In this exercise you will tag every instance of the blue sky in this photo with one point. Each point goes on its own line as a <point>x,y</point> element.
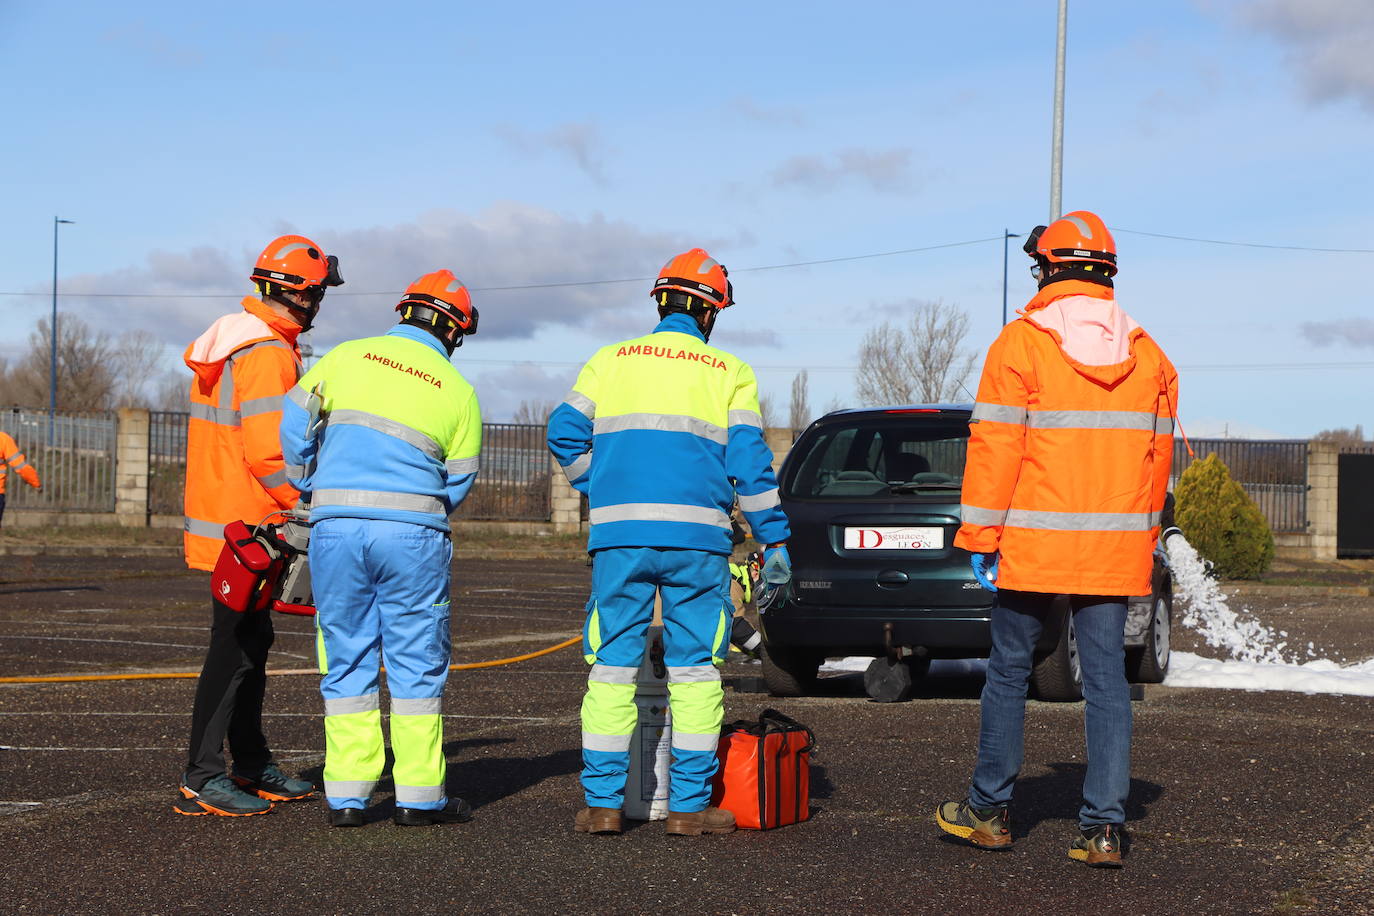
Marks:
<point>539,143</point>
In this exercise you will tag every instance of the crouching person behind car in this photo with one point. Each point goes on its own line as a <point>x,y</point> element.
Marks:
<point>1068,461</point>
<point>396,455</point>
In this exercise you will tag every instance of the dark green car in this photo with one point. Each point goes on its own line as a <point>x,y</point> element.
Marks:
<point>873,497</point>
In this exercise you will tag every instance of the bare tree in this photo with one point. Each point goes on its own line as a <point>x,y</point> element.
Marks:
<point>921,361</point>
<point>135,358</point>
<point>84,377</point>
<point>1342,436</point>
<point>800,413</point>
<point>534,412</point>
<point>767,412</point>
<point>172,392</point>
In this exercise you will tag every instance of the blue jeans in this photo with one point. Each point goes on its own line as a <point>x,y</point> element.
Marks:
<point>1099,624</point>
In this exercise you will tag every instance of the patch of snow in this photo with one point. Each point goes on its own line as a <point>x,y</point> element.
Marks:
<point>1320,676</point>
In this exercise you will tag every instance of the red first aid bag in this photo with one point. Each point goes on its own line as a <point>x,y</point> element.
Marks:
<point>764,777</point>
<point>246,571</point>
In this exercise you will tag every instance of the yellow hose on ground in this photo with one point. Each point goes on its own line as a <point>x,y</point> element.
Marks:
<point>279,672</point>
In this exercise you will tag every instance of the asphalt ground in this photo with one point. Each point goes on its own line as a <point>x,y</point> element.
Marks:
<point>1241,802</point>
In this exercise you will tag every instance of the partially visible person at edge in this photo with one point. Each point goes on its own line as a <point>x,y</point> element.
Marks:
<point>243,365</point>
<point>11,459</point>
<point>395,453</point>
<point>1067,472</point>
<point>661,433</point>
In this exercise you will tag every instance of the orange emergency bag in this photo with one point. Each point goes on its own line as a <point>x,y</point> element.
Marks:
<point>246,573</point>
<point>764,777</point>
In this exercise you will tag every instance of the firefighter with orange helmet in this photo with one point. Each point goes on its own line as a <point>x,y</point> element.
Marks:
<point>1067,472</point>
<point>243,365</point>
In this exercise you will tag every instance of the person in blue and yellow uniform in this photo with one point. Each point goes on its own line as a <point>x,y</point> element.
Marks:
<point>383,436</point>
<point>662,432</point>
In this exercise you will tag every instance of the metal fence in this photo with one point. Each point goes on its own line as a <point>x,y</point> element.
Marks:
<point>1272,471</point>
<point>513,484</point>
<point>166,461</point>
<point>74,454</point>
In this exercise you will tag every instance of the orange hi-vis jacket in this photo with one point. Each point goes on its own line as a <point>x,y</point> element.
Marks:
<point>1071,446</point>
<point>244,365</point>
<point>11,459</point>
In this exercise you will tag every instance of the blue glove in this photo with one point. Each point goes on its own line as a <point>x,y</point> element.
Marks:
<point>985,569</point>
<point>777,565</point>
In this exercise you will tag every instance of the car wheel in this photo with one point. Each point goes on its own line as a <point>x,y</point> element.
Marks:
<point>1149,664</point>
<point>887,681</point>
<point>1058,675</point>
<point>789,672</point>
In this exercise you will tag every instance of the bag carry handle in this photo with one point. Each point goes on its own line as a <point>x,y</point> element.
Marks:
<point>781,722</point>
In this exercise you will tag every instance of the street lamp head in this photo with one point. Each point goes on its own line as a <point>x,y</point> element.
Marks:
<point>63,220</point>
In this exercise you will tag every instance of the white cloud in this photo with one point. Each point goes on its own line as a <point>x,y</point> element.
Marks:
<point>507,245</point>
<point>500,390</point>
<point>1329,42</point>
<point>749,110</point>
<point>883,170</point>
<point>579,140</point>
<point>1357,332</point>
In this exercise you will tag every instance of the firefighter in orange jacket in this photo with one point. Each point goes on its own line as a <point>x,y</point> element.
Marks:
<point>11,459</point>
<point>244,364</point>
<point>1067,471</point>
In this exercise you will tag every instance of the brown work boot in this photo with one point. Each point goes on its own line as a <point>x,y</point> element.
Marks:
<point>598,820</point>
<point>695,823</point>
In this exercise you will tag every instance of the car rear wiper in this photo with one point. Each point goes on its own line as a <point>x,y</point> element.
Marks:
<point>914,487</point>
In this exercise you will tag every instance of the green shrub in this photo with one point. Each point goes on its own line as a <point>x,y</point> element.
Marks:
<point>1221,521</point>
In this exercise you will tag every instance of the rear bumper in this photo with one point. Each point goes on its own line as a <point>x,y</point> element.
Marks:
<point>943,632</point>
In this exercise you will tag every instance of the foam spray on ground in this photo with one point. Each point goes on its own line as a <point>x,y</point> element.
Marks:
<point>1239,635</point>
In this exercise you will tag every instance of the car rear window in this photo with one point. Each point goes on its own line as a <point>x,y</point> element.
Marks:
<point>906,455</point>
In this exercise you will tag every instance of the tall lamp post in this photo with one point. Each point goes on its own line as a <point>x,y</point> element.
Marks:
<point>1005,235</point>
<point>52,331</point>
<point>1057,143</point>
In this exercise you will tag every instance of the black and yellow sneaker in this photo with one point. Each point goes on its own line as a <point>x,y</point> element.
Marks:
<point>986,828</point>
<point>1099,846</point>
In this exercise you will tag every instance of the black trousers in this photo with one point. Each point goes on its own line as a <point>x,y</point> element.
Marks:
<point>229,696</point>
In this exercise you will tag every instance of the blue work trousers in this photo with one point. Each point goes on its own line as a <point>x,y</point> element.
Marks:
<point>1099,625</point>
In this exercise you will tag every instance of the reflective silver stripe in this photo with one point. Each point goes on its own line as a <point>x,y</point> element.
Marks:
<point>21,465</point>
<point>255,406</point>
<point>660,422</point>
<point>298,396</point>
<point>976,515</point>
<point>203,529</point>
<point>349,788</point>
<point>612,674</point>
<point>1082,521</point>
<point>1091,419</point>
<point>413,795</point>
<point>388,427</point>
<point>224,416</point>
<point>611,743</point>
<point>342,706</point>
<point>998,413</point>
<point>656,512</point>
<point>1164,426</point>
<point>275,479</point>
<point>419,706</point>
<point>686,741</point>
<point>378,499</point>
<point>692,674</point>
<point>295,471</point>
<point>759,501</point>
<point>578,467</point>
<point>581,403</point>
<point>745,418</point>
<point>463,465</point>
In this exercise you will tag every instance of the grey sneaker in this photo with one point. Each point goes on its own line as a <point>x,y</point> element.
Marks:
<point>1099,846</point>
<point>986,828</point>
<point>219,795</point>
<point>274,785</point>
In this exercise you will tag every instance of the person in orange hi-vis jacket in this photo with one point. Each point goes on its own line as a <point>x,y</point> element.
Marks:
<point>1068,468</point>
<point>243,366</point>
<point>11,459</point>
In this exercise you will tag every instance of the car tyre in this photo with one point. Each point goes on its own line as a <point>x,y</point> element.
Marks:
<point>888,681</point>
<point>1149,664</point>
<point>789,672</point>
<point>1057,676</point>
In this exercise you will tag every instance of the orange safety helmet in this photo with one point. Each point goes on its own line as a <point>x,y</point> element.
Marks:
<point>697,274</point>
<point>1075,238</point>
<point>295,262</point>
<point>440,295</point>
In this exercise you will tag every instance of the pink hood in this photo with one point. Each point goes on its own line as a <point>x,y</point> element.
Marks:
<point>207,353</point>
<point>1094,333</point>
